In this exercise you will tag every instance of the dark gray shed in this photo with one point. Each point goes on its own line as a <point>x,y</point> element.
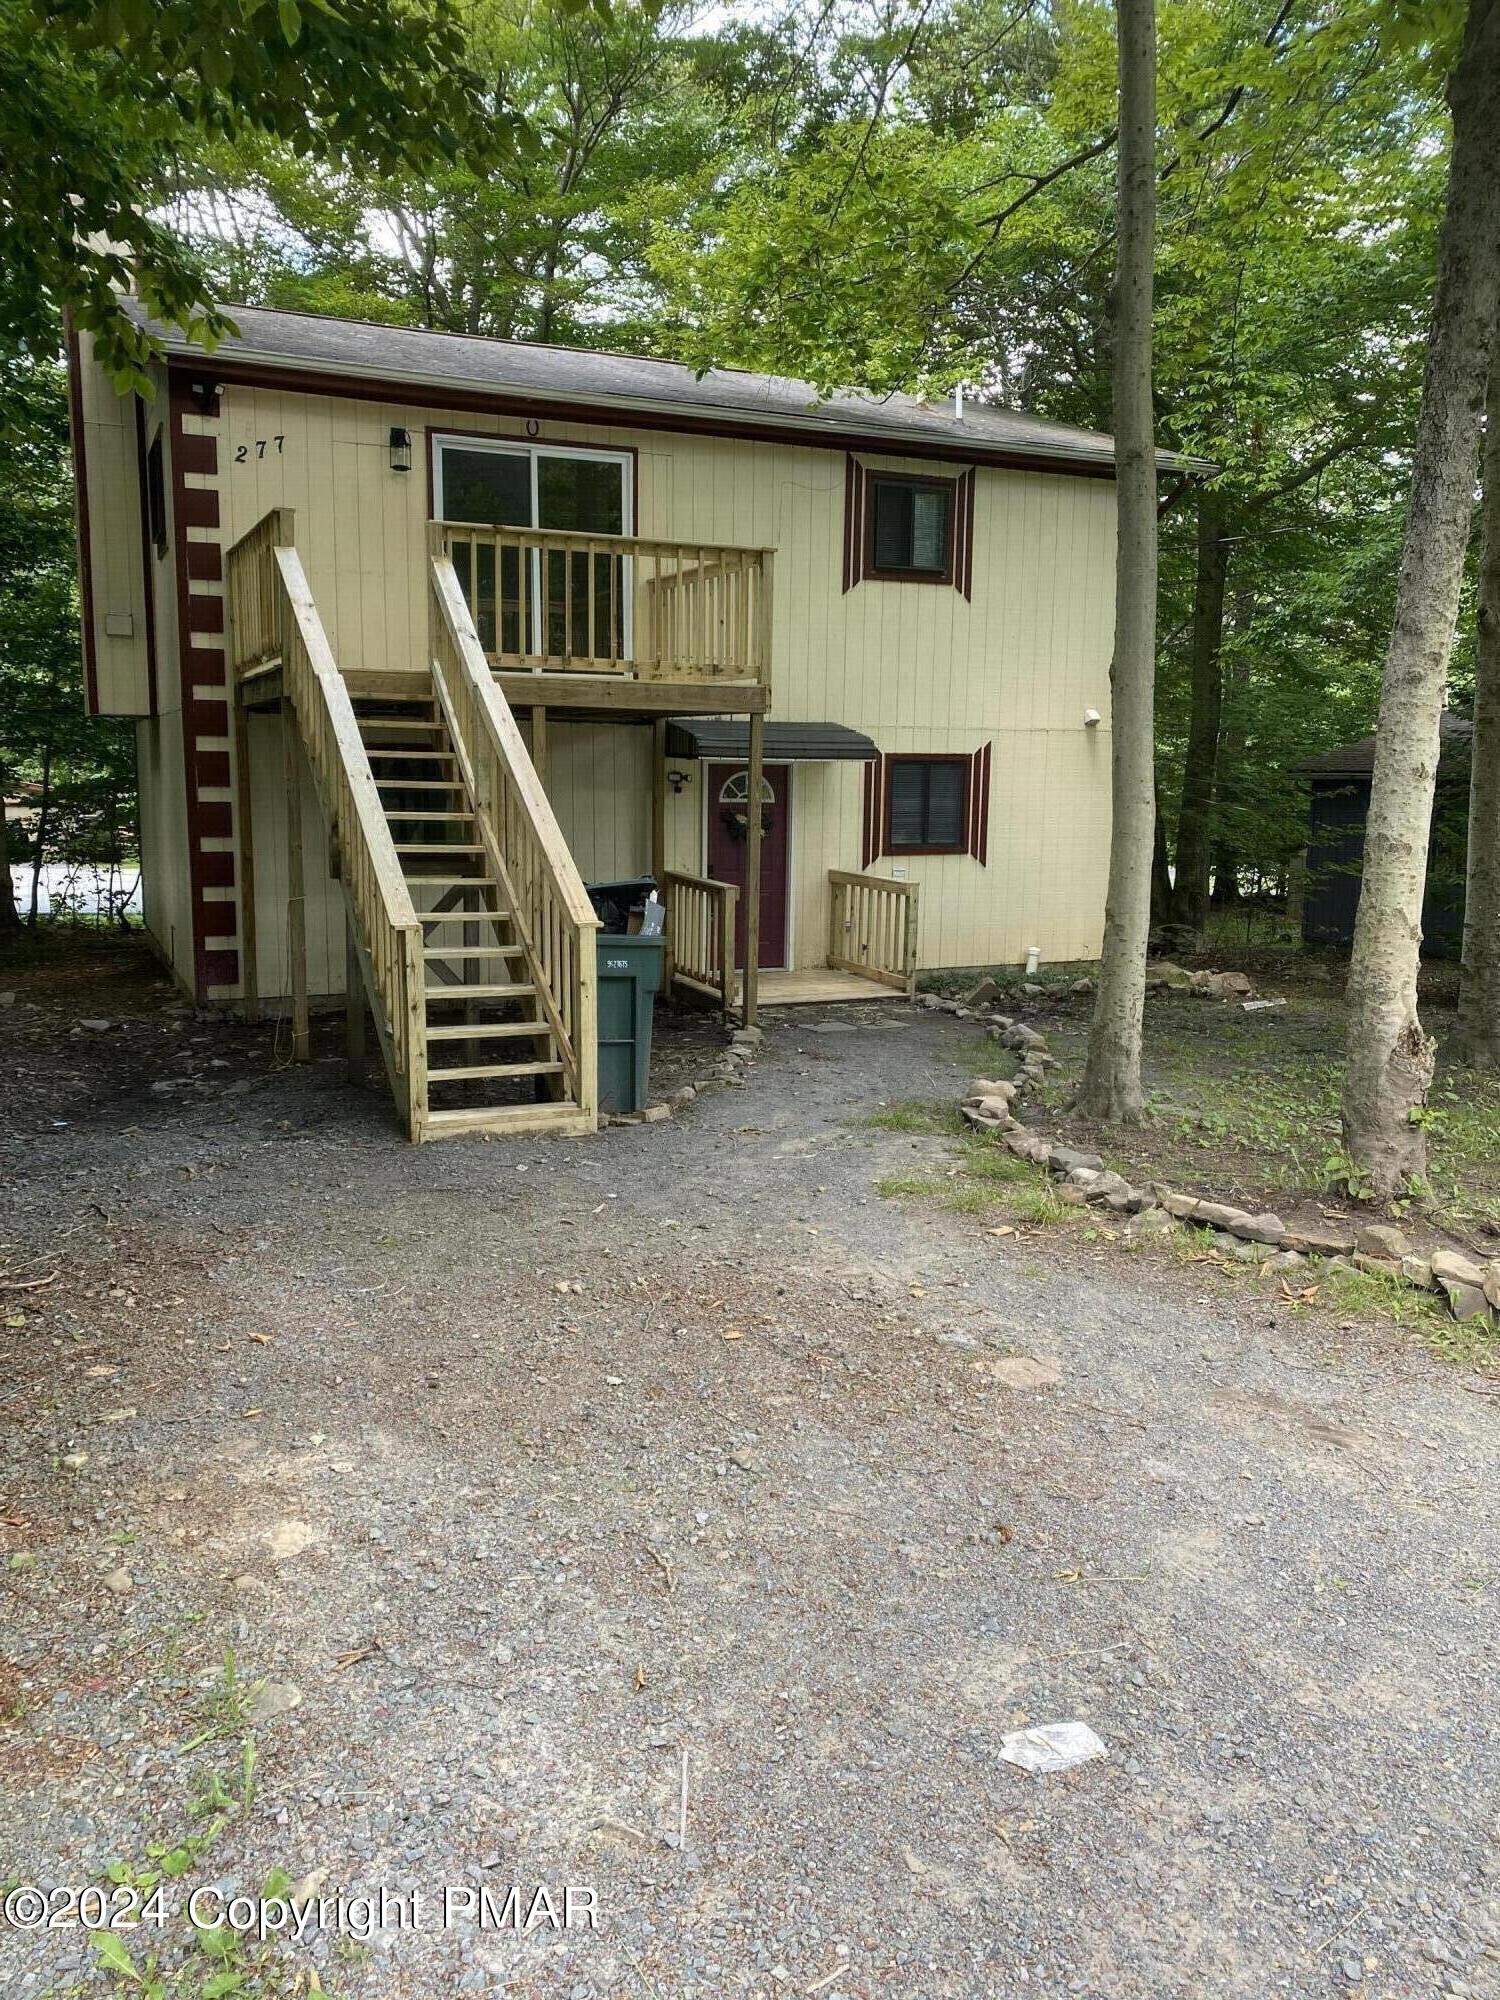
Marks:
<point>1339,786</point>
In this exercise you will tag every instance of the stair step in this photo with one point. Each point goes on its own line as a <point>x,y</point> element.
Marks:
<point>427,816</point>
<point>464,991</point>
<point>436,847</point>
<point>490,1031</point>
<point>502,1118</point>
<point>411,756</point>
<point>473,1073</point>
<point>418,785</point>
<point>423,726</point>
<point>474,951</point>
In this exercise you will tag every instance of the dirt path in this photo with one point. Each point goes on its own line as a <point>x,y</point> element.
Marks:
<point>755,1487</point>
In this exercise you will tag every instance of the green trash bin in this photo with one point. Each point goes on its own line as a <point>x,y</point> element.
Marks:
<point>629,981</point>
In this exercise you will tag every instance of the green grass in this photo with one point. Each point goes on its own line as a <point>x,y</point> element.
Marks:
<point>985,1179</point>
<point>911,1114</point>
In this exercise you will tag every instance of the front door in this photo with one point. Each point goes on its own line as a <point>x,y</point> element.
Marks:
<point>728,825</point>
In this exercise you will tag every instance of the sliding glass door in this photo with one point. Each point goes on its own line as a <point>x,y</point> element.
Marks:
<point>556,603</point>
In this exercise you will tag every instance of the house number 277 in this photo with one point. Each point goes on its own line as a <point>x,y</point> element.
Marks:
<point>259,446</point>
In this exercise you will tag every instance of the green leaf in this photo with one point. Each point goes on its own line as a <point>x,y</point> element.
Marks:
<point>291,19</point>
<point>110,1950</point>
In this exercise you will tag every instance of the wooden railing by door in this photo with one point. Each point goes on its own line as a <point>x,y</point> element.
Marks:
<point>873,928</point>
<point>543,600</point>
<point>700,935</point>
<point>272,617</point>
<point>553,918</point>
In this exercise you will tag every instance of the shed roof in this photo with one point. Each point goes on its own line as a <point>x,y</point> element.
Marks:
<point>728,398</point>
<point>1357,760</point>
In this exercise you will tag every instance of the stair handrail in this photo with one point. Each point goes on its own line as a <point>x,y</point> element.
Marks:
<point>554,920</point>
<point>385,920</point>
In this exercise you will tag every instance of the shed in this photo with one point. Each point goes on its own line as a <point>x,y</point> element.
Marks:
<point>1338,804</point>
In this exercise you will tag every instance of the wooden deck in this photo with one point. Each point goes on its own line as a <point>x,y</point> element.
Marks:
<point>815,988</point>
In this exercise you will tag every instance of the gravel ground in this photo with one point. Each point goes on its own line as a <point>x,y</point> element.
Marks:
<point>682,1440</point>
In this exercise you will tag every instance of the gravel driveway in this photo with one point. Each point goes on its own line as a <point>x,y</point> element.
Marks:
<point>530,1476</point>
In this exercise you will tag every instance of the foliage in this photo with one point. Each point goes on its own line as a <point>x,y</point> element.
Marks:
<point>102,106</point>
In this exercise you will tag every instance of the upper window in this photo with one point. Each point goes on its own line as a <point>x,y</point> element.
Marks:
<point>910,528</point>
<point>927,805</point>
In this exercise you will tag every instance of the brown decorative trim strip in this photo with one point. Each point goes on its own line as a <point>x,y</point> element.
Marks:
<point>963,501</point>
<point>201,665</point>
<point>148,582</point>
<point>81,516</point>
<point>385,389</point>
<point>979,806</point>
<point>205,562</point>
<point>853,506</point>
<point>875,808</point>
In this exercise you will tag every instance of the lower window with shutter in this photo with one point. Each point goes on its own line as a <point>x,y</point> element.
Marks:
<point>927,805</point>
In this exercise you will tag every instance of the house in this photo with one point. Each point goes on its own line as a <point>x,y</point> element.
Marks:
<point>1338,805</point>
<point>495,618</point>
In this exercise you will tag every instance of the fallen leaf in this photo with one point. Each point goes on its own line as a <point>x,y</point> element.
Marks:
<point>260,1339</point>
<point>343,1661</point>
<point>734,1333</point>
<point>640,1680</point>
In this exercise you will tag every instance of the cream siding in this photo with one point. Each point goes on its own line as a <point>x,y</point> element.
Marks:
<point>915,666</point>
<point>109,505</point>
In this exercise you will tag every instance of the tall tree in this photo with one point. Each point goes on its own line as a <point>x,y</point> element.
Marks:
<point>1112,1076</point>
<point>1390,1057</point>
<point>1479,991</point>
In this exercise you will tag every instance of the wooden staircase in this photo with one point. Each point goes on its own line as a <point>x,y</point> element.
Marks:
<point>469,926</point>
<point>491,1052</point>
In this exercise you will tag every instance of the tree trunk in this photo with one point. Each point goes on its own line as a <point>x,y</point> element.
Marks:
<point>1390,1055</point>
<point>1112,1078</point>
<point>42,835</point>
<point>10,916</point>
<point>1479,992</point>
<point>1200,767</point>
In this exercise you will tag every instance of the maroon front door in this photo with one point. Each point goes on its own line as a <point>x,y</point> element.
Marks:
<point>728,825</point>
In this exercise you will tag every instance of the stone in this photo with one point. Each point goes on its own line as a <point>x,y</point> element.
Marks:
<point>746,1461</point>
<point>1417,1271</point>
<point>1081,988</point>
<point>1029,1146</point>
<point>75,1461</point>
<point>1233,1246</point>
<point>1319,1239</point>
<point>1180,1206</point>
<point>1220,985</point>
<point>1021,1371</point>
<point>754,1036</point>
<point>97,1027</point>
<point>272,1698</point>
<point>119,1581</point>
<point>1176,978</point>
<point>982,994</point>
<point>1466,1301</point>
<point>1153,1221</point>
<point>684,1093</point>
<point>1492,1284</point>
<point>987,1086</point>
<point>654,1113</point>
<point>1284,1260</point>
<point>1382,1239</point>
<point>1063,1159</point>
<point>1019,1036</point>
<point>1453,1267</point>
<point>1237,1222</point>
<point>992,1113</point>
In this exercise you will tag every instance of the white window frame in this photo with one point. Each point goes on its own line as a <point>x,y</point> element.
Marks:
<point>523,448</point>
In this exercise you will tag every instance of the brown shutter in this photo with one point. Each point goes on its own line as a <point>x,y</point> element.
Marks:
<point>874,821</point>
<point>979,804</point>
<point>963,531</point>
<point>854,521</point>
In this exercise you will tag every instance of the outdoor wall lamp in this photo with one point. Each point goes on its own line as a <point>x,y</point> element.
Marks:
<point>679,781</point>
<point>400,449</point>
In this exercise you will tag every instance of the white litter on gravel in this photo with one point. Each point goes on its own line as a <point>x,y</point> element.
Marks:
<point>1052,1746</point>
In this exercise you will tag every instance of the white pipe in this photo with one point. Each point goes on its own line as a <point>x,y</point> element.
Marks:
<point>1033,960</point>
<point>958,403</point>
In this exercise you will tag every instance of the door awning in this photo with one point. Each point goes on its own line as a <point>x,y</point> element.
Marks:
<point>786,742</point>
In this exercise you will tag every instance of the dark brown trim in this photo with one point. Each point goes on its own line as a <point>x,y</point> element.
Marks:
<point>432,432</point>
<point>964,504</point>
<point>958,757</point>
<point>148,549</point>
<point>382,389</point>
<point>853,496</point>
<point>869,572</point>
<point>979,806</point>
<point>200,619</point>
<point>870,834</point>
<point>81,516</point>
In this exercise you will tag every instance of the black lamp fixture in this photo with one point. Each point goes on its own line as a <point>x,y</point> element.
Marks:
<point>400,449</point>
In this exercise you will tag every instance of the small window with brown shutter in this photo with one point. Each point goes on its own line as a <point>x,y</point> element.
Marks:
<point>927,805</point>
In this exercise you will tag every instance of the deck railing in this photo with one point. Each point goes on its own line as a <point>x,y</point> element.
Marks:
<point>546,601</point>
<point>553,918</point>
<point>273,617</point>
<point>700,935</point>
<point>873,928</point>
<point>253,591</point>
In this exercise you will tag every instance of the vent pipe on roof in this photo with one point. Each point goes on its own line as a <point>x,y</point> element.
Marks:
<point>958,403</point>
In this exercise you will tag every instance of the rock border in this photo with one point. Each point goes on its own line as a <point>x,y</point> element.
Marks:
<point>1469,1286</point>
<point>741,1050</point>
